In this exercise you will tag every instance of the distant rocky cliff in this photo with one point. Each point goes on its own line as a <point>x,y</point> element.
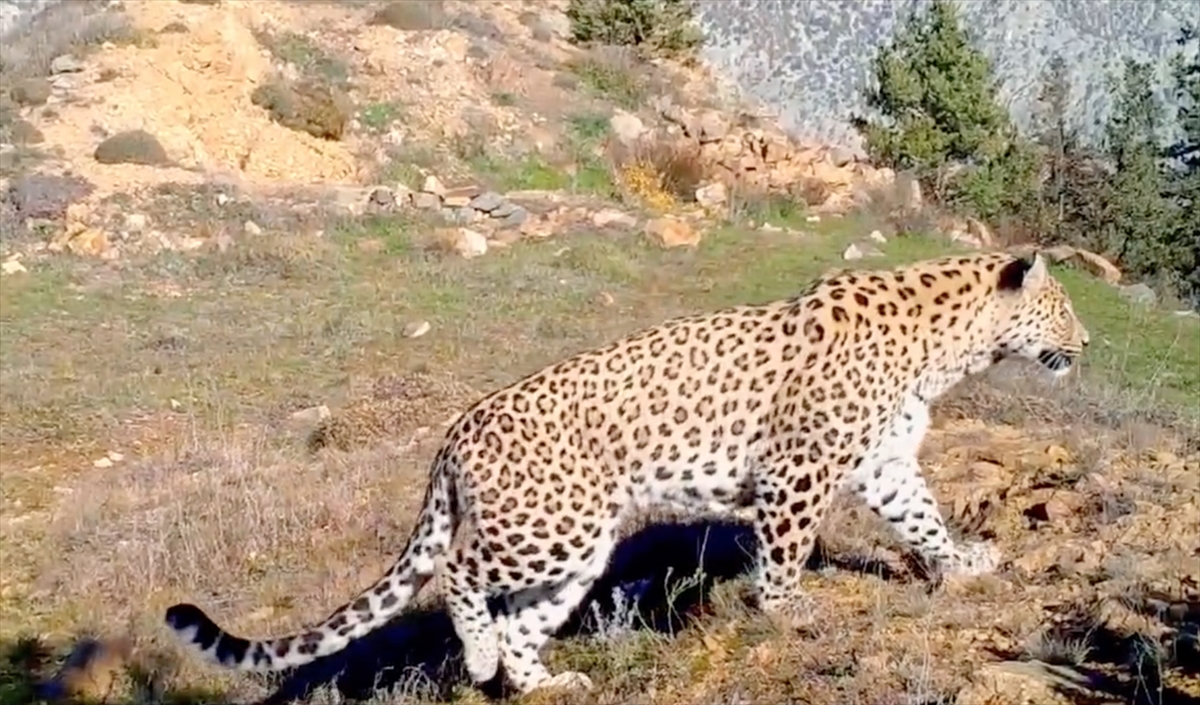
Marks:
<point>808,59</point>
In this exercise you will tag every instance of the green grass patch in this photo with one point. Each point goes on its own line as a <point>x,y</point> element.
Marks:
<point>279,321</point>
<point>616,81</point>
<point>1153,353</point>
<point>309,57</point>
<point>530,172</point>
<point>378,116</point>
<point>504,98</point>
<point>588,129</point>
<point>534,173</point>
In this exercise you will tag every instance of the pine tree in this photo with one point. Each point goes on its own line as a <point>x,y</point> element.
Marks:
<point>936,100</point>
<point>1059,139</point>
<point>1140,227</point>
<point>1185,178</point>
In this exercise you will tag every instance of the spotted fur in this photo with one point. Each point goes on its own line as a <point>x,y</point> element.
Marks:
<point>768,408</point>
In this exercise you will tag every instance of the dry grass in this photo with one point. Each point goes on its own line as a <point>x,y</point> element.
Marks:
<point>616,74</point>
<point>312,105</point>
<point>659,174</point>
<point>66,28</point>
<point>210,518</point>
<point>217,498</point>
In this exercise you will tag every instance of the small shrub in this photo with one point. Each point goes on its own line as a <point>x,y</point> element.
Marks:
<point>377,116</point>
<point>504,99</point>
<point>613,73</point>
<point>24,132</point>
<point>660,174</point>
<point>411,15</point>
<point>588,128</point>
<point>811,191</point>
<point>31,91</point>
<point>132,147</point>
<point>307,105</point>
<point>765,207</point>
<point>309,58</point>
<point>74,28</point>
<point>660,26</point>
<point>47,195</point>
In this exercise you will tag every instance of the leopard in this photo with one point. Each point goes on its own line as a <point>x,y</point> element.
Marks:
<point>759,409</point>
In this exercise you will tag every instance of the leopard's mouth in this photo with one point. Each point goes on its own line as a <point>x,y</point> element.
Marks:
<point>1057,361</point>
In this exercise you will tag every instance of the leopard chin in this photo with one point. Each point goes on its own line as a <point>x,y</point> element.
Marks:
<point>1057,361</point>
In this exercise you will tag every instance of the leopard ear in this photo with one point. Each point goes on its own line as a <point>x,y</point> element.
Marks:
<point>1023,274</point>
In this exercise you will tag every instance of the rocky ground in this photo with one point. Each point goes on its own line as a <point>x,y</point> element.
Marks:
<point>255,255</point>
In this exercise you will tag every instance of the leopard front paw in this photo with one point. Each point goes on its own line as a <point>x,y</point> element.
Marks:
<point>976,558</point>
<point>792,613</point>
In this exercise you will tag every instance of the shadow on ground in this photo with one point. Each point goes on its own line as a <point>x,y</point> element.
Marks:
<point>1126,665</point>
<point>671,568</point>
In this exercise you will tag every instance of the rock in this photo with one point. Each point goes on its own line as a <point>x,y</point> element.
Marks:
<point>382,197</point>
<point>626,127</point>
<point>65,63</point>
<point>462,192</point>
<point>1139,294</point>
<point>426,201</point>
<point>90,242</point>
<point>461,215</point>
<point>416,329</point>
<point>841,156</point>
<point>487,202</point>
<point>980,232</point>
<point>712,196</point>
<point>877,236</point>
<point>712,126</point>
<point>859,251</point>
<point>515,219</point>
<point>1091,262</point>
<point>456,201</point>
<point>311,416</point>
<point>12,264</point>
<point>610,217</point>
<point>814,218</point>
<point>251,228</point>
<point>1056,508</point>
<point>433,185</point>
<point>47,196</point>
<point>671,232</point>
<point>469,243</point>
<point>402,196</point>
<point>1024,683</point>
<point>505,209</point>
<point>555,24</point>
<point>135,222</point>
<point>1099,266</point>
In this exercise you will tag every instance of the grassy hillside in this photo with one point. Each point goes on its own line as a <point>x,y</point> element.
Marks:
<point>190,366</point>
